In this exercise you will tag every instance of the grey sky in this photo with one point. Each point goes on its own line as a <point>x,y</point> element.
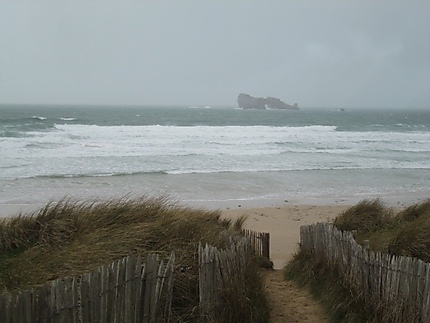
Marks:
<point>315,53</point>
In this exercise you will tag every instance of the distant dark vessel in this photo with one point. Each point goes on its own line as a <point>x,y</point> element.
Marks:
<point>246,101</point>
<point>342,109</point>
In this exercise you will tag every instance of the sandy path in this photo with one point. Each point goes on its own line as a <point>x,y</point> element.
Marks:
<point>283,224</point>
<point>288,303</point>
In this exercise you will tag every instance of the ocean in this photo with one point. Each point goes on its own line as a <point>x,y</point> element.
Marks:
<point>213,156</point>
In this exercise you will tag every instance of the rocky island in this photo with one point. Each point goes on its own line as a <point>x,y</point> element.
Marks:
<point>246,101</point>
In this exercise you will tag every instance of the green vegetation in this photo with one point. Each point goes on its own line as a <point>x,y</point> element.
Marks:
<point>71,238</point>
<point>403,233</point>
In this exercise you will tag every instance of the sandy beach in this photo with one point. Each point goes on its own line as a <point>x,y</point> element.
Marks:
<point>283,223</point>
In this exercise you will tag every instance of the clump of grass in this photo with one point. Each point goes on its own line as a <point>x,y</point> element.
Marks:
<point>70,238</point>
<point>412,239</point>
<point>341,301</point>
<point>263,262</point>
<point>367,216</point>
<point>415,212</point>
<point>406,233</point>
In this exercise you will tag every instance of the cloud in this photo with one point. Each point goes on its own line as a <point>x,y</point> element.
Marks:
<point>330,53</point>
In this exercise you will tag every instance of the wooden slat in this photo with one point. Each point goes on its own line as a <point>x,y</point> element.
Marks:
<point>221,270</point>
<point>127,290</point>
<point>400,283</point>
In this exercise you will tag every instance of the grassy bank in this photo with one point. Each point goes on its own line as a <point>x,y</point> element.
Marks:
<point>403,233</point>
<point>400,232</point>
<point>70,238</point>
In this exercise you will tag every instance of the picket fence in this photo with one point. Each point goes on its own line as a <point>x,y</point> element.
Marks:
<point>220,270</point>
<point>127,290</point>
<point>260,242</point>
<point>400,286</point>
<point>134,289</point>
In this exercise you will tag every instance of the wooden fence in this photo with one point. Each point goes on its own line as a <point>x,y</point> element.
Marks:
<point>128,290</point>
<point>134,289</point>
<point>219,272</point>
<point>260,242</point>
<point>399,285</point>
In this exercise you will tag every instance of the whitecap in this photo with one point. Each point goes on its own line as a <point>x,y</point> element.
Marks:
<point>68,119</point>
<point>39,118</point>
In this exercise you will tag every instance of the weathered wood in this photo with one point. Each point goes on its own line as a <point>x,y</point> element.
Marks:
<point>222,271</point>
<point>399,284</point>
<point>170,269</point>
<point>104,293</point>
<point>259,242</point>
<point>111,310</point>
<point>86,307</point>
<point>114,293</point>
<point>150,281</point>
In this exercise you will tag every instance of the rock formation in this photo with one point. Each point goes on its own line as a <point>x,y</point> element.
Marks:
<point>246,101</point>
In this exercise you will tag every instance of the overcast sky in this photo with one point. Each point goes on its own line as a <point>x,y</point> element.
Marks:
<point>315,53</point>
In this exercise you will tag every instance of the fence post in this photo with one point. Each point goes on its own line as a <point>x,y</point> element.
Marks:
<point>266,245</point>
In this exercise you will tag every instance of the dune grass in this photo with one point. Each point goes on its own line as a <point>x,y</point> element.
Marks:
<point>403,233</point>
<point>70,238</point>
<point>364,217</point>
<point>342,302</point>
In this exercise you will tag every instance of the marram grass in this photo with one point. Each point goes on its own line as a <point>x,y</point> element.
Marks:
<point>70,238</point>
<point>405,233</point>
<point>366,216</point>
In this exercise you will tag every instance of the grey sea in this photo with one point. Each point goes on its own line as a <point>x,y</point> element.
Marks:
<point>212,157</point>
